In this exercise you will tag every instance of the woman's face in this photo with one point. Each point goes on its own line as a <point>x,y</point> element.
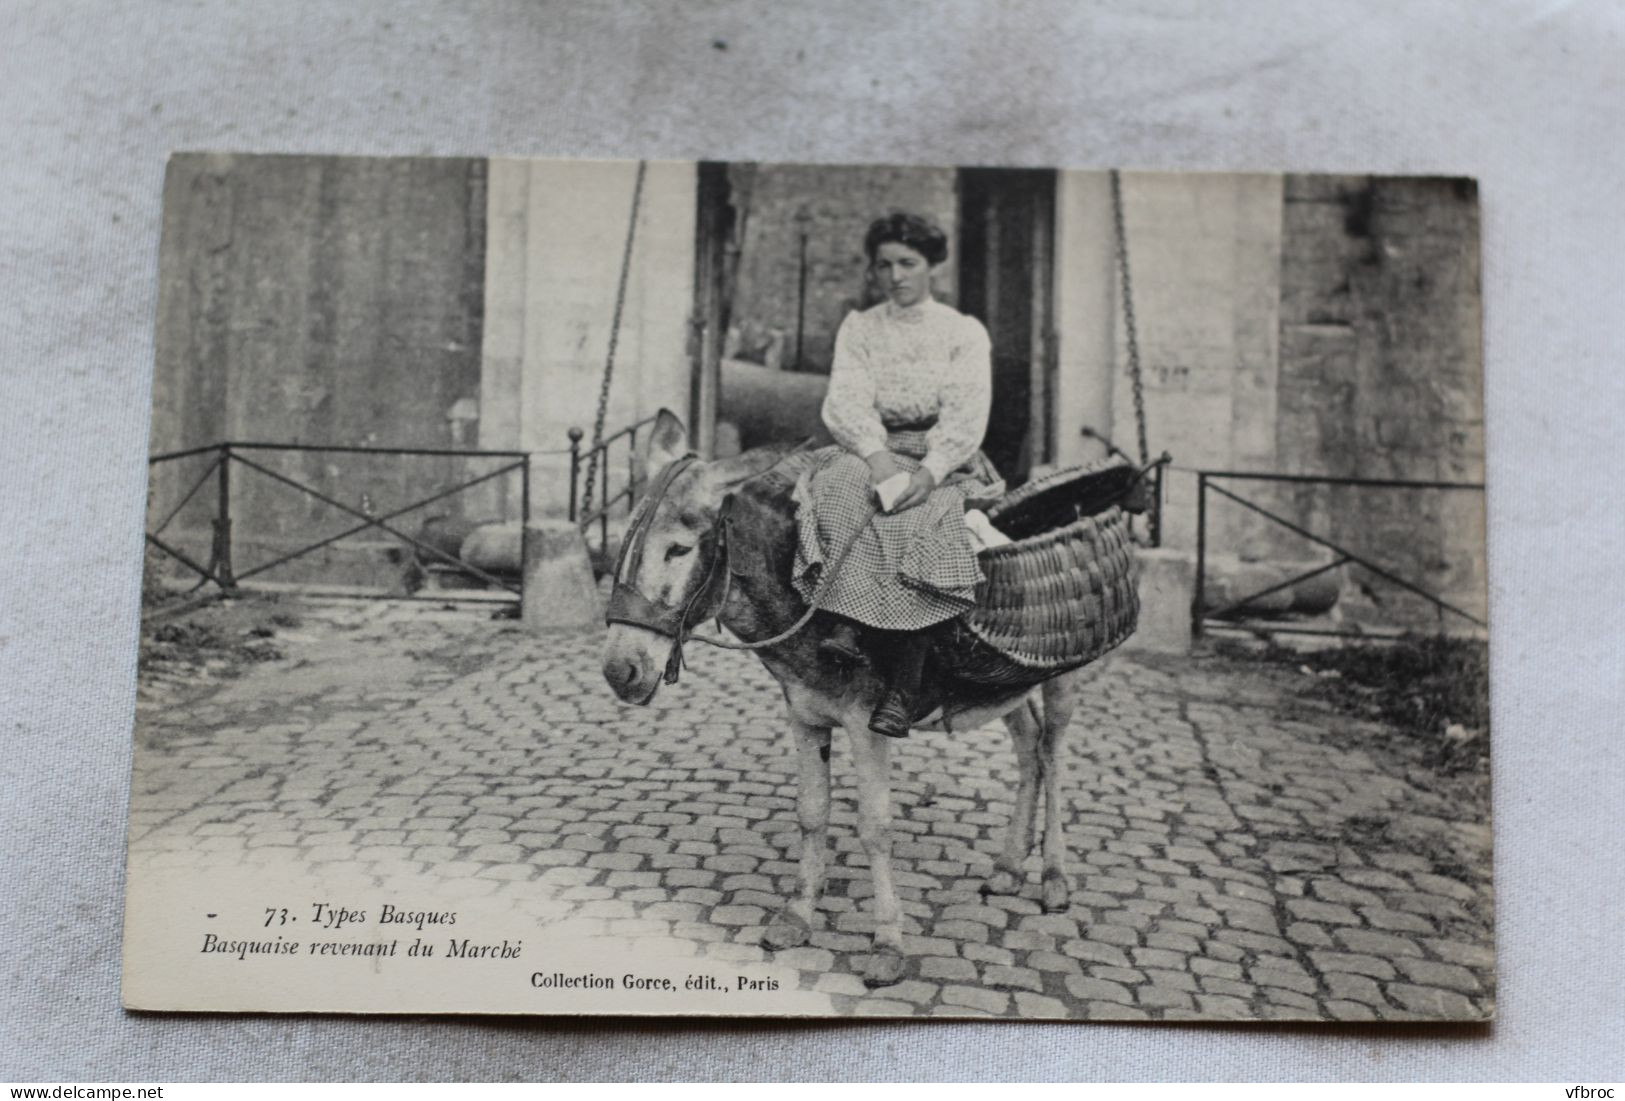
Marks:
<point>902,273</point>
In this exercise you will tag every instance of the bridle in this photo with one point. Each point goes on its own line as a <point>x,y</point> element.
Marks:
<point>629,606</point>
<point>677,622</point>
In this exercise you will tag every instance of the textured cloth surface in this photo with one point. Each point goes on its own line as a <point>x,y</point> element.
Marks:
<point>1529,98</point>
<point>901,571</point>
<point>896,365</point>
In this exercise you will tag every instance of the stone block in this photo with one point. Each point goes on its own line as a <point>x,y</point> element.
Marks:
<point>1349,1011</point>
<point>1014,978</point>
<point>1033,1006</point>
<point>1093,952</point>
<point>560,593</point>
<point>1166,997</point>
<point>942,967</point>
<point>1354,988</point>
<point>1435,1003</point>
<point>1052,961</point>
<point>1167,585</point>
<point>1226,1006</point>
<point>1097,990</point>
<point>1374,966</point>
<point>1429,973</point>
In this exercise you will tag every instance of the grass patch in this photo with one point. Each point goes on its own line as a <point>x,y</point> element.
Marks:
<point>1434,689</point>
<point>228,636</point>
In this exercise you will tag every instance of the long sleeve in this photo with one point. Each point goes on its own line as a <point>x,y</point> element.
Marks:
<point>849,406</point>
<point>966,391</point>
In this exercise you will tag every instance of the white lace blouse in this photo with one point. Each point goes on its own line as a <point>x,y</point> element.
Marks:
<point>900,366</point>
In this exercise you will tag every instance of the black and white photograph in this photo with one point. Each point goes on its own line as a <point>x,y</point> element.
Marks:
<point>811,590</point>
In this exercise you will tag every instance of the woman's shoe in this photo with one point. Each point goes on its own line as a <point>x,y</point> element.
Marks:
<point>894,715</point>
<point>903,654</point>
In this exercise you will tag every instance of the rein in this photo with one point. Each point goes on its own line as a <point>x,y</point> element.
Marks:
<point>629,606</point>
<point>812,605</point>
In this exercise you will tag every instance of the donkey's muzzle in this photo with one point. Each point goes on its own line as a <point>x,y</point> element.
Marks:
<point>623,677</point>
<point>630,674</point>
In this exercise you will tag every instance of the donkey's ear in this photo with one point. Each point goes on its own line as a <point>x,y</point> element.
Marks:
<point>737,468</point>
<point>667,443</point>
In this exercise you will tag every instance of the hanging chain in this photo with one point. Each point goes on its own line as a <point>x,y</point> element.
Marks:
<point>614,339</point>
<point>1128,316</point>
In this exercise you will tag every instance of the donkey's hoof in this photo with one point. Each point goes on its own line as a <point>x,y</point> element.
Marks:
<point>787,931</point>
<point>1002,882</point>
<point>883,968</point>
<point>1057,892</point>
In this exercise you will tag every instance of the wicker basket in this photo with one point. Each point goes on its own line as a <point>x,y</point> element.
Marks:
<point>1064,592</point>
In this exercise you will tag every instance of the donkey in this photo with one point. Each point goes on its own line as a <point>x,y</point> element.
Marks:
<point>717,542</point>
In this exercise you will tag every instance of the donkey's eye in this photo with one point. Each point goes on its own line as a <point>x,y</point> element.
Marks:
<point>676,550</point>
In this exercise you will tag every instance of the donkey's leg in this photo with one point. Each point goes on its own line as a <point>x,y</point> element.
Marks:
<point>1025,733</point>
<point>794,923</point>
<point>872,762</point>
<point>1060,700</point>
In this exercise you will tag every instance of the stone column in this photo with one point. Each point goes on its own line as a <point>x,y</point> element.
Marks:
<point>560,593</point>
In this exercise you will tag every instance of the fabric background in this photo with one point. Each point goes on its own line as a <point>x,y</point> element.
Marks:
<point>1527,96</point>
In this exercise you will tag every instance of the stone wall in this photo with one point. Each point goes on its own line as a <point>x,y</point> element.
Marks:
<point>1325,325</point>
<point>406,302</point>
<point>318,300</point>
<point>1302,325</point>
<point>1381,376</point>
<point>557,237</point>
<point>1205,259</point>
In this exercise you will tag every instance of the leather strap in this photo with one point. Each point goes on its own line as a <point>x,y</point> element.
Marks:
<point>629,606</point>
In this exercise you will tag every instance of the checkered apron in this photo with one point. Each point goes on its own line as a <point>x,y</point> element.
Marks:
<point>907,570</point>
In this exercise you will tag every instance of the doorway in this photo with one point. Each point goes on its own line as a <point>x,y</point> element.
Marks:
<point>779,264</point>
<point>1006,253</point>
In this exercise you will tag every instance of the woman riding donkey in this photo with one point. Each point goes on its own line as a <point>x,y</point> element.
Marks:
<point>731,539</point>
<point>909,394</point>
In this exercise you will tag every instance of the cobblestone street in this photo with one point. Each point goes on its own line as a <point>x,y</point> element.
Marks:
<point>1236,854</point>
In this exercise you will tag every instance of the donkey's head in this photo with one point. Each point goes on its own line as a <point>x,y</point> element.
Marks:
<point>672,572</point>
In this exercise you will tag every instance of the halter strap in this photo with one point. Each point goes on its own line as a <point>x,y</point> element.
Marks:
<point>629,606</point>
<point>637,532</point>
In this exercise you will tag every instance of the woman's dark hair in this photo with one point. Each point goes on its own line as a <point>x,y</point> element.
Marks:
<point>907,229</point>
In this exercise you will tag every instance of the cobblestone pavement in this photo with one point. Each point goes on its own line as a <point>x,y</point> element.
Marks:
<point>1234,855</point>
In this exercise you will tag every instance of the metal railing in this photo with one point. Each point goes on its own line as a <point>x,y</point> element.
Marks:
<point>1206,483</point>
<point>627,493</point>
<point>221,568</point>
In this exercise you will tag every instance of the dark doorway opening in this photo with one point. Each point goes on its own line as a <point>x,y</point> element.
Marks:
<point>779,264</point>
<point>1006,248</point>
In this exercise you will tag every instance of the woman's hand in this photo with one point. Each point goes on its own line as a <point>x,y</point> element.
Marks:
<point>882,465</point>
<point>920,485</point>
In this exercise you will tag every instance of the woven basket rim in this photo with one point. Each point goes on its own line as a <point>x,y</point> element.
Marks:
<point>1022,494</point>
<point>1103,518</point>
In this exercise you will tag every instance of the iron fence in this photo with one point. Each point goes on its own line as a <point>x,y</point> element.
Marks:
<point>597,457</point>
<point>1206,482</point>
<point>222,568</point>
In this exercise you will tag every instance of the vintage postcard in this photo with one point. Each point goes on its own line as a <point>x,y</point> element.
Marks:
<point>755,589</point>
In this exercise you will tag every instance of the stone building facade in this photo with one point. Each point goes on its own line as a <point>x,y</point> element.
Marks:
<point>1381,375</point>
<point>316,300</point>
<point>1300,324</point>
